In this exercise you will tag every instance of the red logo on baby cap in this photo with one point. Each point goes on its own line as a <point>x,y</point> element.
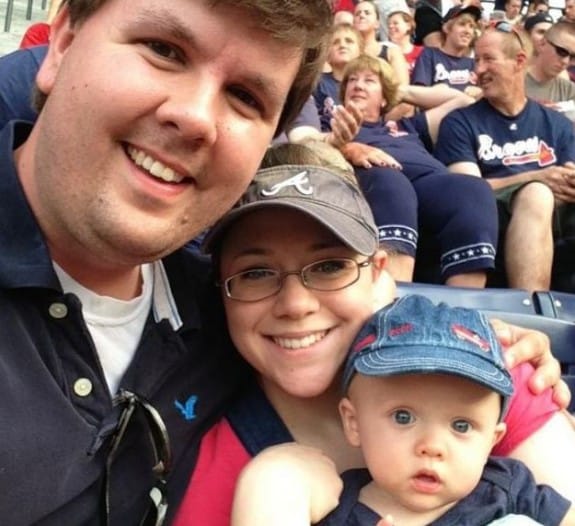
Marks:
<point>463,333</point>
<point>362,344</point>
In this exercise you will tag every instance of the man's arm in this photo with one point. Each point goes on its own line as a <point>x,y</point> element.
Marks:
<point>560,179</point>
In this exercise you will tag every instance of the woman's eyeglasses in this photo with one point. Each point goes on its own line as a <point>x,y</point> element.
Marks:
<point>325,275</point>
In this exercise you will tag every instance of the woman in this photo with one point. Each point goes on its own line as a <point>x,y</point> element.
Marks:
<point>366,21</point>
<point>423,193</point>
<point>299,272</point>
<point>400,29</point>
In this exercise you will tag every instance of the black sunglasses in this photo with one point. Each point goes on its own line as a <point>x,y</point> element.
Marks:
<point>506,27</point>
<point>130,403</point>
<point>561,51</point>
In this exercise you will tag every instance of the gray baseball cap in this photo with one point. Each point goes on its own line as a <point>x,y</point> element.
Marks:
<point>321,193</point>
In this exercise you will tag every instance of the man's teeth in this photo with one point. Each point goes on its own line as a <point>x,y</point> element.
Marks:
<point>155,168</point>
<point>299,343</point>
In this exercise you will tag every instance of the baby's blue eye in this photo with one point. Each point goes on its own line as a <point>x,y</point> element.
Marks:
<point>403,417</point>
<point>461,426</point>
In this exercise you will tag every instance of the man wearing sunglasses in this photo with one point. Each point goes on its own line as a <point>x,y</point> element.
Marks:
<point>525,150</point>
<point>546,81</point>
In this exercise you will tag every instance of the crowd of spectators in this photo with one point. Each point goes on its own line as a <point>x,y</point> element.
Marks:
<point>511,135</point>
<point>429,43</point>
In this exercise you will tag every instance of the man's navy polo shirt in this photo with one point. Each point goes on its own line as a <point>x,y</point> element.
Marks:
<point>54,400</point>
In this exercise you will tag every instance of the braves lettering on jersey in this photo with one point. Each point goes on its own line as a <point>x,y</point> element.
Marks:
<point>500,145</point>
<point>433,66</point>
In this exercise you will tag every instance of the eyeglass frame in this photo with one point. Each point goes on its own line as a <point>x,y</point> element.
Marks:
<point>160,441</point>
<point>282,275</point>
<point>506,27</point>
<point>560,51</point>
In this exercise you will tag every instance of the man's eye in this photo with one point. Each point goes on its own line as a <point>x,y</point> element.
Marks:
<point>403,417</point>
<point>461,426</point>
<point>164,50</point>
<point>245,97</point>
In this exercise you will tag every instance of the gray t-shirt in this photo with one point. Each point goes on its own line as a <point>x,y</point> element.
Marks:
<point>558,94</point>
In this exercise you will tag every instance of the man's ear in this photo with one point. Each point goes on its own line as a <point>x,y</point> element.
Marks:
<point>522,59</point>
<point>349,421</point>
<point>499,432</point>
<point>61,36</point>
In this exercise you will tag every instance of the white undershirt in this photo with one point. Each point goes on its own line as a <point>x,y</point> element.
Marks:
<point>115,325</point>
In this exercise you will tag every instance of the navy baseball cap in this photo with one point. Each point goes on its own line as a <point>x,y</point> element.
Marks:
<point>321,193</point>
<point>459,10</point>
<point>532,21</point>
<point>415,336</point>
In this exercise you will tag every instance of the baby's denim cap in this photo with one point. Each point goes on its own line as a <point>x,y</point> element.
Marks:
<point>415,336</point>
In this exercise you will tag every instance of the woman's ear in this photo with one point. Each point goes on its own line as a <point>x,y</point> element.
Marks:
<point>61,36</point>
<point>349,421</point>
<point>384,289</point>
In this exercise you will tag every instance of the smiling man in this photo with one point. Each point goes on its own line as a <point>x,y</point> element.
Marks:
<point>524,150</point>
<point>155,118</point>
<point>451,63</point>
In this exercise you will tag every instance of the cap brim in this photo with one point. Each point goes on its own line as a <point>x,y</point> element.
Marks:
<point>357,236</point>
<point>428,360</point>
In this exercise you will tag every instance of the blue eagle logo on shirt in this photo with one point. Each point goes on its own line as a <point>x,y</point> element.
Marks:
<point>188,408</point>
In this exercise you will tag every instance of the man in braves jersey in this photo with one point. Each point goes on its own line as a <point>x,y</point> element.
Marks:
<point>524,150</point>
<point>451,63</point>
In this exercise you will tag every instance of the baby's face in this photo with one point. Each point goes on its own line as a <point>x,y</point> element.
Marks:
<point>425,438</point>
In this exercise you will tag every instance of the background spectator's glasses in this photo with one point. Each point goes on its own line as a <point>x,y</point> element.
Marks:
<point>132,404</point>
<point>506,27</point>
<point>326,275</point>
<point>561,51</point>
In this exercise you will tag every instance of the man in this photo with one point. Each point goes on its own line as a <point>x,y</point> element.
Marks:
<point>536,26</point>
<point>155,118</point>
<point>569,11</point>
<point>512,11</point>
<point>450,63</point>
<point>546,81</point>
<point>525,151</point>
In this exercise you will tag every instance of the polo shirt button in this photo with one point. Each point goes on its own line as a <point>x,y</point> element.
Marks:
<point>82,387</point>
<point>58,310</point>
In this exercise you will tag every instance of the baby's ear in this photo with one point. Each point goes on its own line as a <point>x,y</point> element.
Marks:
<point>499,433</point>
<point>349,421</point>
